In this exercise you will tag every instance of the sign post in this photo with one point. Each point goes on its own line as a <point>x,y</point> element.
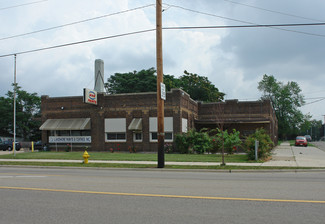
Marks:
<point>256,149</point>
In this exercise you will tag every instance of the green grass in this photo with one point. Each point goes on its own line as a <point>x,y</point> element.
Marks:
<point>112,165</point>
<point>236,158</point>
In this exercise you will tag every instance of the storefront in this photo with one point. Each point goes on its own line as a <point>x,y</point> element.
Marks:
<point>123,121</point>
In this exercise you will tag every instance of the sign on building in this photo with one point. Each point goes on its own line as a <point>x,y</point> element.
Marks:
<point>90,96</point>
<point>70,139</point>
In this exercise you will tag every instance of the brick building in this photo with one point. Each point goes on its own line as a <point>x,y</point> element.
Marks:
<point>123,121</point>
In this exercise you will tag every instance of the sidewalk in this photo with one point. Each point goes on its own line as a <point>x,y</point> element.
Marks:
<point>282,156</point>
<point>291,156</point>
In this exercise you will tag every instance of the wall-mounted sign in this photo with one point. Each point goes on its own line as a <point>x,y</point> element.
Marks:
<point>70,139</point>
<point>90,96</point>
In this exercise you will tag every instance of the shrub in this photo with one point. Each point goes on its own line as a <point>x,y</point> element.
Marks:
<point>264,147</point>
<point>229,141</point>
<point>200,142</point>
<point>181,143</point>
<point>192,141</point>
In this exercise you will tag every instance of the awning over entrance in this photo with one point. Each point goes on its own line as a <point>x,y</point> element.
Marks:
<point>136,124</point>
<point>66,124</point>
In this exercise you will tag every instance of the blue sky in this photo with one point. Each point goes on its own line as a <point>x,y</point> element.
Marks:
<point>234,59</point>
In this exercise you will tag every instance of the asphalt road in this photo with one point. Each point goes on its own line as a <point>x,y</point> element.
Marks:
<point>80,196</point>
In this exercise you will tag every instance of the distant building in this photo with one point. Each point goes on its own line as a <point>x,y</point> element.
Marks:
<point>124,121</point>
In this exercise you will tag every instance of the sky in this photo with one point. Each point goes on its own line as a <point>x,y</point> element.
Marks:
<point>233,59</point>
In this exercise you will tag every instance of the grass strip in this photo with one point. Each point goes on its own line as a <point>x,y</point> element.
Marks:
<point>118,165</point>
<point>120,156</point>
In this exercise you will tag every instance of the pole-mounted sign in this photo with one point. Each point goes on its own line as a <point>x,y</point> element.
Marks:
<point>162,91</point>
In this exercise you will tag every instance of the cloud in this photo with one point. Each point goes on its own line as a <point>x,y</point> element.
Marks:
<point>233,59</point>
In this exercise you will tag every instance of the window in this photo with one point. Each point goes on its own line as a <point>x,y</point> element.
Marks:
<point>184,125</point>
<point>116,136</point>
<point>168,126</point>
<point>115,129</point>
<point>137,136</point>
<point>168,136</point>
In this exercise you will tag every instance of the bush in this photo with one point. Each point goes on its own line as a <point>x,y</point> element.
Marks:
<point>264,147</point>
<point>181,143</point>
<point>192,141</point>
<point>200,142</point>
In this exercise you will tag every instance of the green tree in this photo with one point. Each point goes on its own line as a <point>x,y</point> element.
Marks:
<point>27,114</point>
<point>310,127</point>
<point>286,99</point>
<point>200,88</point>
<point>132,82</point>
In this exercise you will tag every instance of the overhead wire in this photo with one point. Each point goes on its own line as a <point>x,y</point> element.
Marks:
<point>165,28</point>
<point>15,6</point>
<point>77,22</point>
<point>241,21</point>
<point>79,42</point>
<point>273,11</point>
<point>316,101</point>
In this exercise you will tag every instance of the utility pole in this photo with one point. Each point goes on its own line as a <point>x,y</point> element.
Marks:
<point>324,127</point>
<point>15,89</point>
<point>160,101</point>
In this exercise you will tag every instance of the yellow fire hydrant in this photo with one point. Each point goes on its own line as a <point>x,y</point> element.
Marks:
<point>85,156</point>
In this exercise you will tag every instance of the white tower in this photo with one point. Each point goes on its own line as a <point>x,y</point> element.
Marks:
<point>99,76</point>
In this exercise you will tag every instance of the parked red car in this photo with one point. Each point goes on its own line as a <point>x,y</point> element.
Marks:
<point>301,140</point>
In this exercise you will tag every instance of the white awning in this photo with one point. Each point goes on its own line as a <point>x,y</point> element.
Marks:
<point>66,124</point>
<point>136,124</point>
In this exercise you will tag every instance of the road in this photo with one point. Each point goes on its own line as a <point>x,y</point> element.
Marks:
<point>80,196</point>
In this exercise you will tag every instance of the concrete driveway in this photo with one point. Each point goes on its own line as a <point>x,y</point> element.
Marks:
<point>292,156</point>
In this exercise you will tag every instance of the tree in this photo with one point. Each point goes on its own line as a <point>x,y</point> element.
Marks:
<point>132,82</point>
<point>310,127</point>
<point>27,112</point>
<point>199,87</point>
<point>286,99</point>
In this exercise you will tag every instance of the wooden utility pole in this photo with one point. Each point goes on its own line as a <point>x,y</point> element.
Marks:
<point>15,92</point>
<point>160,101</point>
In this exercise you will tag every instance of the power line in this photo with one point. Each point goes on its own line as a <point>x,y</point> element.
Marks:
<point>15,6</point>
<point>242,21</point>
<point>316,101</point>
<point>165,28</point>
<point>246,26</point>
<point>79,42</point>
<point>77,22</point>
<point>273,11</point>
<point>274,26</point>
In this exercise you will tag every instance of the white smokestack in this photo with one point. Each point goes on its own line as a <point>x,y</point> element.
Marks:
<point>99,76</point>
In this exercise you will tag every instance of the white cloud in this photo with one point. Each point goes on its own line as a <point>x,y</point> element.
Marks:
<point>233,59</point>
